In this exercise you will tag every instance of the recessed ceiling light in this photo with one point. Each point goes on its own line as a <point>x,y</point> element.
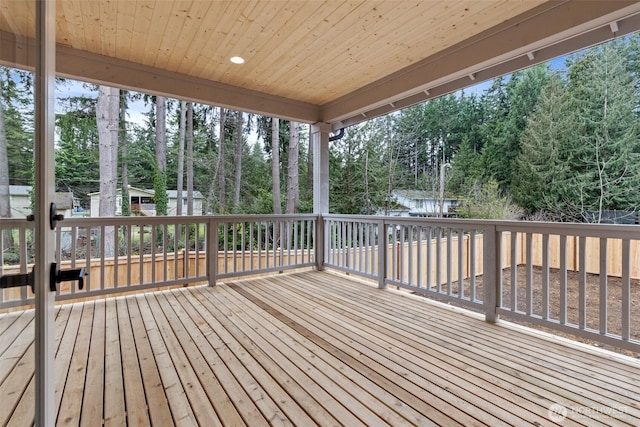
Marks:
<point>237,60</point>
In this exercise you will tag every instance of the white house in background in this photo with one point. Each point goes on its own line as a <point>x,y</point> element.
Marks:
<point>422,203</point>
<point>142,202</point>
<point>20,201</point>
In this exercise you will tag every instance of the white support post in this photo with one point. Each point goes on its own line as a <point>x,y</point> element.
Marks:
<point>382,254</point>
<point>44,187</point>
<point>320,144</point>
<point>320,244</point>
<point>491,277</point>
<point>212,251</point>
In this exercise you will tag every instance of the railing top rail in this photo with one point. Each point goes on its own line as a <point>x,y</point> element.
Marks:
<point>568,229</point>
<point>448,222</point>
<point>14,223</point>
<point>153,220</point>
<point>572,229</point>
<point>267,216</point>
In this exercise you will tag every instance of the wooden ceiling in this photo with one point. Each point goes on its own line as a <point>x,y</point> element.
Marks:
<point>333,61</point>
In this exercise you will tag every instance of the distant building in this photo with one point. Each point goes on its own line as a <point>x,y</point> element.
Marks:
<point>421,203</point>
<point>142,202</point>
<point>20,201</point>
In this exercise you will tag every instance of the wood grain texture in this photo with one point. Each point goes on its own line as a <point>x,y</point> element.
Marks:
<point>312,51</point>
<point>307,348</point>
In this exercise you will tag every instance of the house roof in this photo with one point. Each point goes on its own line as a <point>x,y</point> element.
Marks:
<point>338,62</point>
<point>19,190</point>
<point>420,195</point>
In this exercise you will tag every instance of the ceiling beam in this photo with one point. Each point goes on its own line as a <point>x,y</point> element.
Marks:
<point>546,32</point>
<point>99,69</point>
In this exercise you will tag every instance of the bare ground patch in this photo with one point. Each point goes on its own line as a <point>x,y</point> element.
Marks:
<point>614,298</point>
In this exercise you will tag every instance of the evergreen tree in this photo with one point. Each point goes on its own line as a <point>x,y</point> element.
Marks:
<point>360,169</point>
<point>511,103</point>
<point>77,154</point>
<point>466,165</point>
<point>541,169</point>
<point>141,171</point>
<point>16,100</point>
<point>466,168</point>
<point>5,197</point>
<point>605,149</point>
<point>124,158</point>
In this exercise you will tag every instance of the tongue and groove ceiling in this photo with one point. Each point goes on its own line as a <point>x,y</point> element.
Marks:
<point>339,62</point>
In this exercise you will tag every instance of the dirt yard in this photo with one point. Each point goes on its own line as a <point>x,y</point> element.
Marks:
<point>614,302</point>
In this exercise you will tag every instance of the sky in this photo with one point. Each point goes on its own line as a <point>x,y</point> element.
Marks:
<point>70,88</point>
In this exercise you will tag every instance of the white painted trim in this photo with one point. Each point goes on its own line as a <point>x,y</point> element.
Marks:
<point>100,69</point>
<point>551,30</point>
<point>45,411</point>
<point>320,143</point>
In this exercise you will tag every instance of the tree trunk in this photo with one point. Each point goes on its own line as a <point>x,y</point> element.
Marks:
<point>222,198</point>
<point>160,181</point>
<point>190,158</point>
<point>126,205</point>
<point>309,195</point>
<point>161,133</point>
<point>293,189</point>
<point>238,160</point>
<point>275,164</point>
<point>213,180</point>
<point>107,115</point>
<point>180,177</point>
<point>5,205</point>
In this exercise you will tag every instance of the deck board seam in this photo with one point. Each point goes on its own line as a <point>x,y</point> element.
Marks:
<point>496,332</point>
<point>399,362</point>
<point>316,347</point>
<point>329,404</point>
<point>629,403</point>
<point>236,349</point>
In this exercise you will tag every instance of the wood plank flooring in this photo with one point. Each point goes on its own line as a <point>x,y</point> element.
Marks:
<point>311,348</point>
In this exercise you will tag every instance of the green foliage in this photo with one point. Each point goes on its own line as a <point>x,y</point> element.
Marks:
<point>361,169</point>
<point>466,168</point>
<point>581,149</point>
<point>484,201</point>
<point>431,133</point>
<point>541,169</point>
<point>605,151</point>
<point>160,192</point>
<point>140,153</point>
<point>126,205</point>
<point>77,148</point>
<point>16,98</point>
<point>510,104</point>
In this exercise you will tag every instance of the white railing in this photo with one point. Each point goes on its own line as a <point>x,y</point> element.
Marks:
<point>122,254</point>
<point>260,244</point>
<point>16,255</point>
<point>428,257</point>
<point>577,278</point>
<point>582,279</point>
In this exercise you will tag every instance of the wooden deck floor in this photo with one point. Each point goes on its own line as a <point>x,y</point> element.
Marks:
<point>306,349</point>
